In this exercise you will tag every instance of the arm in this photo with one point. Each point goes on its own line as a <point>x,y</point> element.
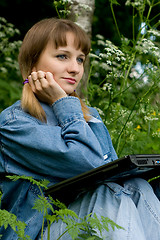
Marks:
<point>57,151</point>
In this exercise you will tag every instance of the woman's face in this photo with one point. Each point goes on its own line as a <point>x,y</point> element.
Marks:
<point>65,63</point>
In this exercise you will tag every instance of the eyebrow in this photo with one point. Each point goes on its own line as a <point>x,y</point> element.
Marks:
<point>63,50</point>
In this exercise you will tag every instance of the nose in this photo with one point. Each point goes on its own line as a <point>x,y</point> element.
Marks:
<point>73,67</point>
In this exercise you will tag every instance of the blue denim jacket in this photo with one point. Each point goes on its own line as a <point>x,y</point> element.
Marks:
<point>61,148</point>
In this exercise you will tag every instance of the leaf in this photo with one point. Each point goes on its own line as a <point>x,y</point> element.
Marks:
<point>107,221</point>
<point>42,204</point>
<point>88,237</point>
<point>96,223</point>
<point>57,203</point>
<point>41,184</point>
<point>66,215</point>
<point>154,178</point>
<point>114,2</point>
<point>9,219</point>
<point>73,231</point>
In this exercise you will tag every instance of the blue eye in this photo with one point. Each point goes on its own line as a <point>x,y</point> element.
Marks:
<point>61,56</point>
<point>80,60</point>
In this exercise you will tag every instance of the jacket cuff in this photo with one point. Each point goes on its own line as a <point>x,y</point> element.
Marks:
<point>67,109</point>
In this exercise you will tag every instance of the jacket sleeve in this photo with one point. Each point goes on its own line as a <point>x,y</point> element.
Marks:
<point>59,151</point>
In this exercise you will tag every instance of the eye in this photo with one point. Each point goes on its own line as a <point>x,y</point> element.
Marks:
<point>61,56</point>
<point>80,60</point>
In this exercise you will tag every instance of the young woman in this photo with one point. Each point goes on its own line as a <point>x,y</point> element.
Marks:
<point>51,134</point>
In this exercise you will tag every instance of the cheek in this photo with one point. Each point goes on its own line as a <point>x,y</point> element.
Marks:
<point>55,68</point>
<point>82,72</point>
<point>56,73</point>
<point>46,65</point>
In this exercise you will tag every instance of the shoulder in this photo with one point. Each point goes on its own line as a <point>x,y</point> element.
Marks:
<point>8,113</point>
<point>13,113</point>
<point>94,113</point>
<point>97,121</point>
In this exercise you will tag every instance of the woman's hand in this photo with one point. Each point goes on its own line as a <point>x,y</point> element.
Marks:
<point>45,87</point>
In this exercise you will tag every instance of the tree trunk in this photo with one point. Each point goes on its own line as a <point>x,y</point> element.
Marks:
<point>82,13</point>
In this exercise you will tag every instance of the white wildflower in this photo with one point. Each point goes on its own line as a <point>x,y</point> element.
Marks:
<point>123,58</point>
<point>107,86</point>
<point>134,74</point>
<point>129,124</point>
<point>99,111</point>
<point>92,55</point>
<point>104,66</point>
<point>3,69</point>
<point>149,118</point>
<point>139,4</point>
<point>101,42</point>
<point>67,1</point>
<point>156,134</point>
<point>96,75</point>
<point>95,63</point>
<point>109,62</point>
<point>100,36</point>
<point>154,32</point>
<point>118,59</point>
<point>85,7</point>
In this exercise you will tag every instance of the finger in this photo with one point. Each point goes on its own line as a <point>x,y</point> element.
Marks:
<point>42,79</point>
<point>46,79</point>
<point>41,75</point>
<point>35,81</point>
<point>49,77</point>
<point>37,84</point>
<point>31,82</point>
<point>34,76</point>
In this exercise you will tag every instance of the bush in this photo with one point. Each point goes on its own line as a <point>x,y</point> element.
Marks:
<point>10,78</point>
<point>124,85</point>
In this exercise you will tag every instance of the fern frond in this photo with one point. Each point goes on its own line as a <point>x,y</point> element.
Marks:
<point>9,219</point>
<point>42,204</point>
<point>107,221</point>
<point>41,184</point>
<point>96,223</point>
<point>57,203</point>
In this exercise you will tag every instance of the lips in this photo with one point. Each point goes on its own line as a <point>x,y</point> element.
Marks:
<point>70,80</point>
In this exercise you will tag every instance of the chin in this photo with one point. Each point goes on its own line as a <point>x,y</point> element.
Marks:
<point>69,92</point>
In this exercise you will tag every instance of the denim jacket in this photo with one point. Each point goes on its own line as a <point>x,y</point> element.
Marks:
<point>63,147</point>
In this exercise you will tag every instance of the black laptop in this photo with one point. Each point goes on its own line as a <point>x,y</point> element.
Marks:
<point>146,166</point>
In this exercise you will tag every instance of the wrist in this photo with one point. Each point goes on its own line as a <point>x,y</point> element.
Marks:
<point>53,100</point>
<point>67,109</point>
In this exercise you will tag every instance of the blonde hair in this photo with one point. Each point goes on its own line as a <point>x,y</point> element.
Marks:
<point>34,43</point>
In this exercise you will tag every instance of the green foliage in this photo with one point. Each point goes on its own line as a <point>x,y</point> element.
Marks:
<point>89,227</point>
<point>10,80</point>
<point>9,219</point>
<point>62,7</point>
<point>40,184</point>
<point>124,83</point>
<point>86,227</point>
<point>78,228</point>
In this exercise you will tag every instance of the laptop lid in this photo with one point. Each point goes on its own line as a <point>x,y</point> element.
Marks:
<point>146,166</point>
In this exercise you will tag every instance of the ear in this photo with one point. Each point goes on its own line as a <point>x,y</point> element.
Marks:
<point>34,69</point>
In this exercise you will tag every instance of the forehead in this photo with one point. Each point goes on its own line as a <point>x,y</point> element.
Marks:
<point>69,40</point>
<point>64,38</point>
